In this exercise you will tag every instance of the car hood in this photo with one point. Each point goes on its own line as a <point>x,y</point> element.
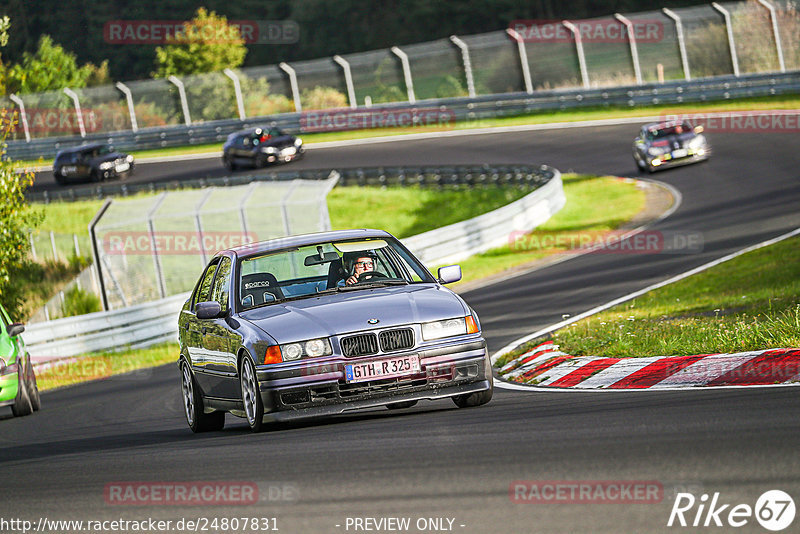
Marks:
<point>279,142</point>
<point>350,311</point>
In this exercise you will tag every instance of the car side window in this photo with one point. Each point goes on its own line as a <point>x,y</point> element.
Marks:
<point>222,283</point>
<point>204,289</point>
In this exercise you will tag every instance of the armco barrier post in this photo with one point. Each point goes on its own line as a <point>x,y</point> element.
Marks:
<point>348,80</point>
<point>129,99</point>
<point>187,118</point>
<point>776,34</point>
<point>237,89</point>
<point>406,74</point>
<point>579,50</point>
<point>76,102</point>
<point>632,42</point>
<point>467,64</point>
<point>523,59</point>
<point>293,82</point>
<point>681,42</point>
<point>23,117</point>
<point>731,43</point>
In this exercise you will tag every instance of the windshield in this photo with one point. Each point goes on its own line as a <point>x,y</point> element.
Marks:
<point>326,267</point>
<point>677,129</point>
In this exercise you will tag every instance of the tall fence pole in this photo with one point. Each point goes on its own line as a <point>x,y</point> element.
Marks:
<point>131,109</point>
<point>523,59</point>
<point>162,286</point>
<point>23,117</point>
<point>579,49</point>
<point>237,89</point>
<point>632,42</point>
<point>467,64</point>
<point>681,42</point>
<point>774,17</point>
<point>96,251</point>
<point>412,99</point>
<point>199,225</point>
<point>731,43</point>
<point>187,118</point>
<point>293,83</point>
<point>77,103</point>
<point>348,80</point>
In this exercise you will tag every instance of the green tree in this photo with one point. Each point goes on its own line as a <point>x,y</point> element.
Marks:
<point>50,68</point>
<point>208,44</point>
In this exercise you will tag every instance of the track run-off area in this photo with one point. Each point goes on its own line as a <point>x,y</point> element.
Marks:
<point>443,468</point>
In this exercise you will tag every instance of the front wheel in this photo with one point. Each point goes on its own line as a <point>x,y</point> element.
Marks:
<point>33,390</point>
<point>251,395</point>
<point>474,399</point>
<point>198,420</point>
<point>22,403</point>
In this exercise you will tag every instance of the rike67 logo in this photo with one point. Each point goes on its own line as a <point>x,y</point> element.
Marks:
<point>774,510</point>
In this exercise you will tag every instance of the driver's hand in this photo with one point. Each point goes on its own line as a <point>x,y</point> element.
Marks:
<point>350,281</point>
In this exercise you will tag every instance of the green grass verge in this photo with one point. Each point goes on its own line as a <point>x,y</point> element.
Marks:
<point>595,204</point>
<point>570,115</point>
<point>749,303</point>
<point>99,366</point>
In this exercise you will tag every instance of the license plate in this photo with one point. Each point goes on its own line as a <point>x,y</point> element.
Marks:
<point>290,151</point>
<point>377,369</point>
<point>680,153</point>
<point>122,167</point>
<point>69,169</point>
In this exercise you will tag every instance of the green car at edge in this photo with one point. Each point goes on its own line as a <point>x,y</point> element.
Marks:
<point>18,387</point>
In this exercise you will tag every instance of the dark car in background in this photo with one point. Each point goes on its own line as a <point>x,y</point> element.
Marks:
<point>661,145</point>
<point>94,162</point>
<point>283,330</point>
<point>259,147</point>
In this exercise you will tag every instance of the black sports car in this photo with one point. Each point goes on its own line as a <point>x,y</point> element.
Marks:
<point>668,144</point>
<point>93,162</point>
<point>258,147</point>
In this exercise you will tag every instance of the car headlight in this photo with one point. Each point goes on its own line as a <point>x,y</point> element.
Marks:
<point>269,149</point>
<point>449,327</point>
<point>106,165</point>
<point>298,142</point>
<point>129,158</point>
<point>653,151</point>
<point>697,142</point>
<point>312,348</point>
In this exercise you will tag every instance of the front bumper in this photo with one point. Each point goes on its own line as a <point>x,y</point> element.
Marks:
<point>317,388</point>
<point>667,161</point>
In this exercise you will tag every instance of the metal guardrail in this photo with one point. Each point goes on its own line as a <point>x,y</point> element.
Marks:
<point>447,110</point>
<point>439,176</point>
<point>155,322</point>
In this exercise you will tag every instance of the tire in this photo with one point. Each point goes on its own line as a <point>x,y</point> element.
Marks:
<point>401,405</point>
<point>22,403</point>
<point>94,176</point>
<point>261,162</point>
<point>60,180</point>
<point>251,396</point>
<point>193,407</point>
<point>229,164</point>
<point>33,389</point>
<point>474,399</point>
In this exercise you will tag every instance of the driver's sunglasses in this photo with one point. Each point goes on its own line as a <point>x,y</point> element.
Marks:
<point>365,263</point>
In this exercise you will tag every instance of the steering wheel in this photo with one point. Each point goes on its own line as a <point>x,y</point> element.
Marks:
<point>367,276</point>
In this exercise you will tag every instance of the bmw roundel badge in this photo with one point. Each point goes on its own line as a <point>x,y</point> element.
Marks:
<point>374,321</point>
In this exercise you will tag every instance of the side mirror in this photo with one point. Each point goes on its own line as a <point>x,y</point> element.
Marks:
<point>698,129</point>
<point>208,310</point>
<point>15,329</point>
<point>449,274</point>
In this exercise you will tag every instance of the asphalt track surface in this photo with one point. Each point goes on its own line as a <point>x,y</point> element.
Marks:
<point>436,461</point>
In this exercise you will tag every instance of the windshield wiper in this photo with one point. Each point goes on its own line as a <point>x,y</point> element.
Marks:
<point>374,284</point>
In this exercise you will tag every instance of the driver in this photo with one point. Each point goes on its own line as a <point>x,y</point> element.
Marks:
<point>357,264</point>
